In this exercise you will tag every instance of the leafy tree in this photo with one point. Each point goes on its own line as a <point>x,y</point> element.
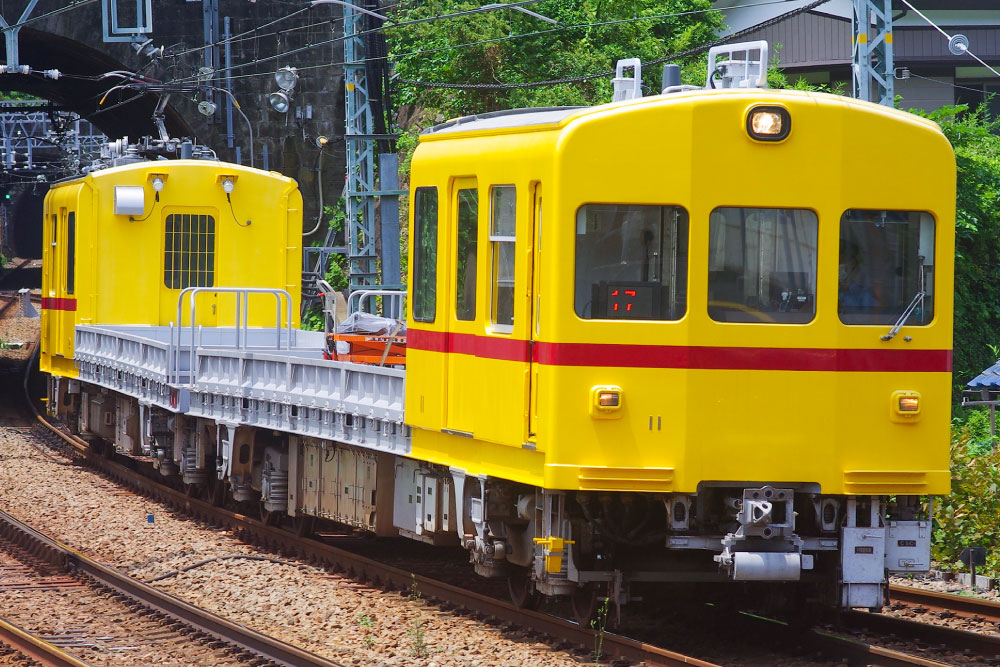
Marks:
<point>973,134</point>
<point>970,515</point>
<point>508,47</point>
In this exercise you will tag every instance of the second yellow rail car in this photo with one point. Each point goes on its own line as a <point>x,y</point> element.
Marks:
<point>678,316</point>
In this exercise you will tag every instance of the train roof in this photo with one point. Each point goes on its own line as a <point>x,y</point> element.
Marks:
<point>513,120</point>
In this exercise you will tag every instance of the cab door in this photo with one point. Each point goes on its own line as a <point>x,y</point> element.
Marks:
<point>465,310</point>
<point>534,305</point>
<point>60,299</point>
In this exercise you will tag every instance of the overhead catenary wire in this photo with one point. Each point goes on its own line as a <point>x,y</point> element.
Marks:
<point>579,79</point>
<point>963,47</point>
<point>388,26</point>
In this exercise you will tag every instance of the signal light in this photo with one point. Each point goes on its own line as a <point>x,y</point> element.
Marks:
<point>909,404</point>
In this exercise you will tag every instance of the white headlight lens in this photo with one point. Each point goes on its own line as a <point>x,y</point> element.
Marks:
<point>768,123</point>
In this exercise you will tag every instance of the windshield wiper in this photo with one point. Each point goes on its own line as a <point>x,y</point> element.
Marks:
<point>917,300</point>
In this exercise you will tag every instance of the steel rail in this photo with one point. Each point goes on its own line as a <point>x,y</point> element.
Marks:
<point>380,574</point>
<point>393,578</point>
<point>36,648</point>
<point>267,647</point>
<point>936,601</point>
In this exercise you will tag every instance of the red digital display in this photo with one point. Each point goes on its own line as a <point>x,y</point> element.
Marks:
<point>629,302</point>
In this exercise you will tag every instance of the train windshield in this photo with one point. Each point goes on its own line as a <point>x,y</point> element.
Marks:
<point>886,263</point>
<point>762,265</point>
<point>631,262</point>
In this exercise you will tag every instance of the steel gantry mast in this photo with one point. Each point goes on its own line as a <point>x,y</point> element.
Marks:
<point>872,51</point>
<point>361,138</point>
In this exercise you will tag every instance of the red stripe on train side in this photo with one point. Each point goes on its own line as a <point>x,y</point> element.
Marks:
<point>52,303</point>
<point>504,349</point>
<point>743,358</point>
<point>686,357</point>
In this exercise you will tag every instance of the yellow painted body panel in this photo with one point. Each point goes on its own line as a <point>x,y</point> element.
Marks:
<point>120,259</point>
<point>681,426</point>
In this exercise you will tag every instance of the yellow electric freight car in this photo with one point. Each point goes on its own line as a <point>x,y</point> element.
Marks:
<point>122,242</point>
<point>688,338</point>
<point>686,323</point>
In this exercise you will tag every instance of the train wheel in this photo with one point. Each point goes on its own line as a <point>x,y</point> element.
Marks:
<point>304,525</point>
<point>584,604</point>
<point>522,589</point>
<point>215,493</point>
<point>267,517</point>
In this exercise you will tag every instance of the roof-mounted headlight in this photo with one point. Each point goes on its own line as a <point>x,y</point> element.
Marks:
<point>768,123</point>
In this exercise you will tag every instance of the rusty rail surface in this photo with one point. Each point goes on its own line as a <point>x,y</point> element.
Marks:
<point>60,555</point>
<point>38,649</point>
<point>392,578</point>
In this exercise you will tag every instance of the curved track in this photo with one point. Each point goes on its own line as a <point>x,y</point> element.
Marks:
<point>828,644</point>
<point>254,644</point>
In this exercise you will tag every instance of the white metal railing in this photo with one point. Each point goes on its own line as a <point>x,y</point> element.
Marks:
<point>393,301</point>
<point>241,327</point>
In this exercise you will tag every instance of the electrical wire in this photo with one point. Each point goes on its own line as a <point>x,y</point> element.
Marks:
<point>578,79</point>
<point>946,83</point>
<point>520,35</point>
<point>963,47</point>
<point>54,12</point>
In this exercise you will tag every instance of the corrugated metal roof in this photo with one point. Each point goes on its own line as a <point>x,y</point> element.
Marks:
<point>988,379</point>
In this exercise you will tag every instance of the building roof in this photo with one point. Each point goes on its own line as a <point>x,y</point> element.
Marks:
<point>988,379</point>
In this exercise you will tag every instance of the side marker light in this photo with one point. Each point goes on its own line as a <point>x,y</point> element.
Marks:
<point>905,407</point>
<point>605,402</point>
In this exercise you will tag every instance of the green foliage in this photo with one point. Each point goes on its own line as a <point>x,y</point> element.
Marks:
<point>313,318</point>
<point>418,645</point>
<point>600,625</point>
<point>977,228</point>
<point>366,622</point>
<point>970,515</point>
<point>508,47</point>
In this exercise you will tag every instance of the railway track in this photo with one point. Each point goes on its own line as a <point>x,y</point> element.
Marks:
<point>102,612</point>
<point>818,642</point>
<point>367,570</point>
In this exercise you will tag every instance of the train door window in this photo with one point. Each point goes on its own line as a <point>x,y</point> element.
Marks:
<point>886,265</point>
<point>762,265</point>
<point>631,262</point>
<point>425,224</point>
<point>467,230</point>
<point>502,230</point>
<point>71,252</point>
<point>189,251</point>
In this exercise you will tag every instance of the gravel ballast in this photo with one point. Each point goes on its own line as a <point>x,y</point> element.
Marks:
<point>300,604</point>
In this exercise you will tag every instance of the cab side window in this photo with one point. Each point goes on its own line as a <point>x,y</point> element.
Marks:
<point>468,235</point>
<point>886,264</point>
<point>502,242</point>
<point>425,226</point>
<point>631,262</point>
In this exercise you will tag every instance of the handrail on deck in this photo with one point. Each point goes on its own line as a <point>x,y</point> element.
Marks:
<point>242,317</point>
<point>395,308</point>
